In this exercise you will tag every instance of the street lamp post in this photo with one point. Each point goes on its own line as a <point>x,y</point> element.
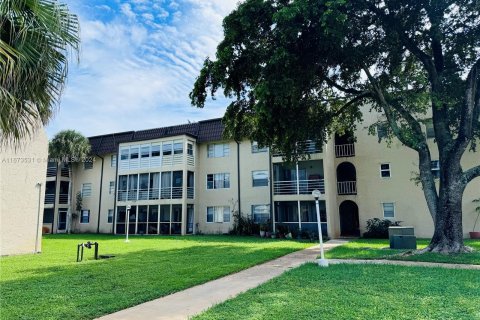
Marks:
<point>322,261</point>
<point>127,223</point>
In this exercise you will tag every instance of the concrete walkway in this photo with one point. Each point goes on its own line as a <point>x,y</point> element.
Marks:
<point>406,263</point>
<point>192,301</point>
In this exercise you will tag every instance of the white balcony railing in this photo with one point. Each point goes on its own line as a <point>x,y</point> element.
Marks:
<point>345,150</point>
<point>190,193</point>
<point>308,146</point>
<point>63,198</point>
<point>51,171</point>
<point>304,187</point>
<point>347,187</point>
<point>49,198</point>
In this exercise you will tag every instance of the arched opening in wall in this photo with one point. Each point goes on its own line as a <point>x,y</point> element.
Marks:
<point>346,179</point>
<point>344,145</point>
<point>349,221</point>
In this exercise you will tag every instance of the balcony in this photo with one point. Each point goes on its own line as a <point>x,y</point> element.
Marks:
<point>345,150</point>
<point>52,171</point>
<point>309,147</point>
<point>63,198</point>
<point>346,187</point>
<point>153,194</point>
<point>303,187</point>
<point>64,171</point>
<point>49,198</point>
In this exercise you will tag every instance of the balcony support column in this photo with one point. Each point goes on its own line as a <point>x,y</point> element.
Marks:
<point>298,201</point>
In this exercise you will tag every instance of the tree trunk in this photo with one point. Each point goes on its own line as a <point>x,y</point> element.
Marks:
<point>448,233</point>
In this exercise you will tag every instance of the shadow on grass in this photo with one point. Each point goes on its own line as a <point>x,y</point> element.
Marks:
<point>93,288</point>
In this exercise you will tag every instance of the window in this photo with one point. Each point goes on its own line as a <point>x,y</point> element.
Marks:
<point>190,149</point>
<point>113,160</point>
<point>86,190</point>
<point>134,153</point>
<point>435,166</point>
<point>48,215</point>
<point>145,152</point>
<point>430,131</point>
<point>382,130</point>
<point>85,216</point>
<point>218,214</point>
<point>167,148</point>
<point>124,153</point>
<point>155,150</point>
<point>385,170</point>
<point>257,149</point>
<point>178,147</point>
<point>260,178</point>
<point>218,150</point>
<point>110,216</point>
<point>388,210</point>
<point>111,187</point>
<point>88,165</point>
<point>218,181</point>
<point>261,213</point>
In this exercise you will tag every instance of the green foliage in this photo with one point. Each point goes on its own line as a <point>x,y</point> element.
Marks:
<point>244,225</point>
<point>52,285</point>
<point>78,202</point>
<point>346,291</point>
<point>69,146</point>
<point>36,37</point>
<point>299,70</point>
<point>378,228</point>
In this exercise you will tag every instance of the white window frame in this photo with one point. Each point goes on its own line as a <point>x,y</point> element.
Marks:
<point>257,149</point>
<point>389,170</point>
<point>84,185</point>
<point>253,178</point>
<point>266,206</point>
<point>110,214</point>
<point>226,177</point>
<point>219,214</point>
<point>394,210</point>
<point>88,216</point>
<point>113,160</point>
<point>212,148</point>
<point>87,165</point>
<point>111,187</point>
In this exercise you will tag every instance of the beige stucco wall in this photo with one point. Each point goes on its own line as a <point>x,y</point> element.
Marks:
<point>21,200</point>
<point>373,190</point>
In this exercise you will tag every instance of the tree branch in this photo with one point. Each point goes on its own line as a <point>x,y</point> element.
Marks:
<point>471,174</point>
<point>354,101</point>
<point>341,88</point>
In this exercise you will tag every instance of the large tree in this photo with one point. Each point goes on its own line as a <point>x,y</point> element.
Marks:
<point>35,39</point>
<point>69,147</point>
<point>302,69</point>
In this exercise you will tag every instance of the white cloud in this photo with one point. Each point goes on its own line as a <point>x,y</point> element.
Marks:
<point>135,76</point>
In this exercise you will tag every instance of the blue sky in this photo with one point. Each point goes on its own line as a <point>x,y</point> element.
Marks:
<point>138,62</point>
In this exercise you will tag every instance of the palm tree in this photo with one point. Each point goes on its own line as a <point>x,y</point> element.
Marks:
<point>69,146</point>
<point>36,37</point>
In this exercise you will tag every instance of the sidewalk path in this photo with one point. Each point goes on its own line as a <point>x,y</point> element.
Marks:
<point>406,263</point>
<point>189,302</point>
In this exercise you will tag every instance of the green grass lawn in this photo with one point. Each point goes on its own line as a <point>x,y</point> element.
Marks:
<point>359,292</point>
<point>52,285</point>
<point>379,249</point>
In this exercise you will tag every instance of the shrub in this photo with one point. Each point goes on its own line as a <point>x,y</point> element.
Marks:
<point>243,225</point>
<point>378,228</point>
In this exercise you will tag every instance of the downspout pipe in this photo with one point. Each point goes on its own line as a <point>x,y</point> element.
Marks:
<point>100,195</point>
<point>39,186</point>
<point>115,194</point>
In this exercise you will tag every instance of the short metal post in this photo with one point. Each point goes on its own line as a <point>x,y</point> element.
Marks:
<point>96,250</point>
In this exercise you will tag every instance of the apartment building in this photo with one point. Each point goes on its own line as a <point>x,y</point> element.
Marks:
<point>187,179</point>
<point>22,176</point>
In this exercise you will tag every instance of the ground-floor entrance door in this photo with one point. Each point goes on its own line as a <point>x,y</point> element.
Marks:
<point>349,221</point>
<point>62,221</point>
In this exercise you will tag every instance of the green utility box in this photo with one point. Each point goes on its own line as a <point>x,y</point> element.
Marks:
<point>402,238</point>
